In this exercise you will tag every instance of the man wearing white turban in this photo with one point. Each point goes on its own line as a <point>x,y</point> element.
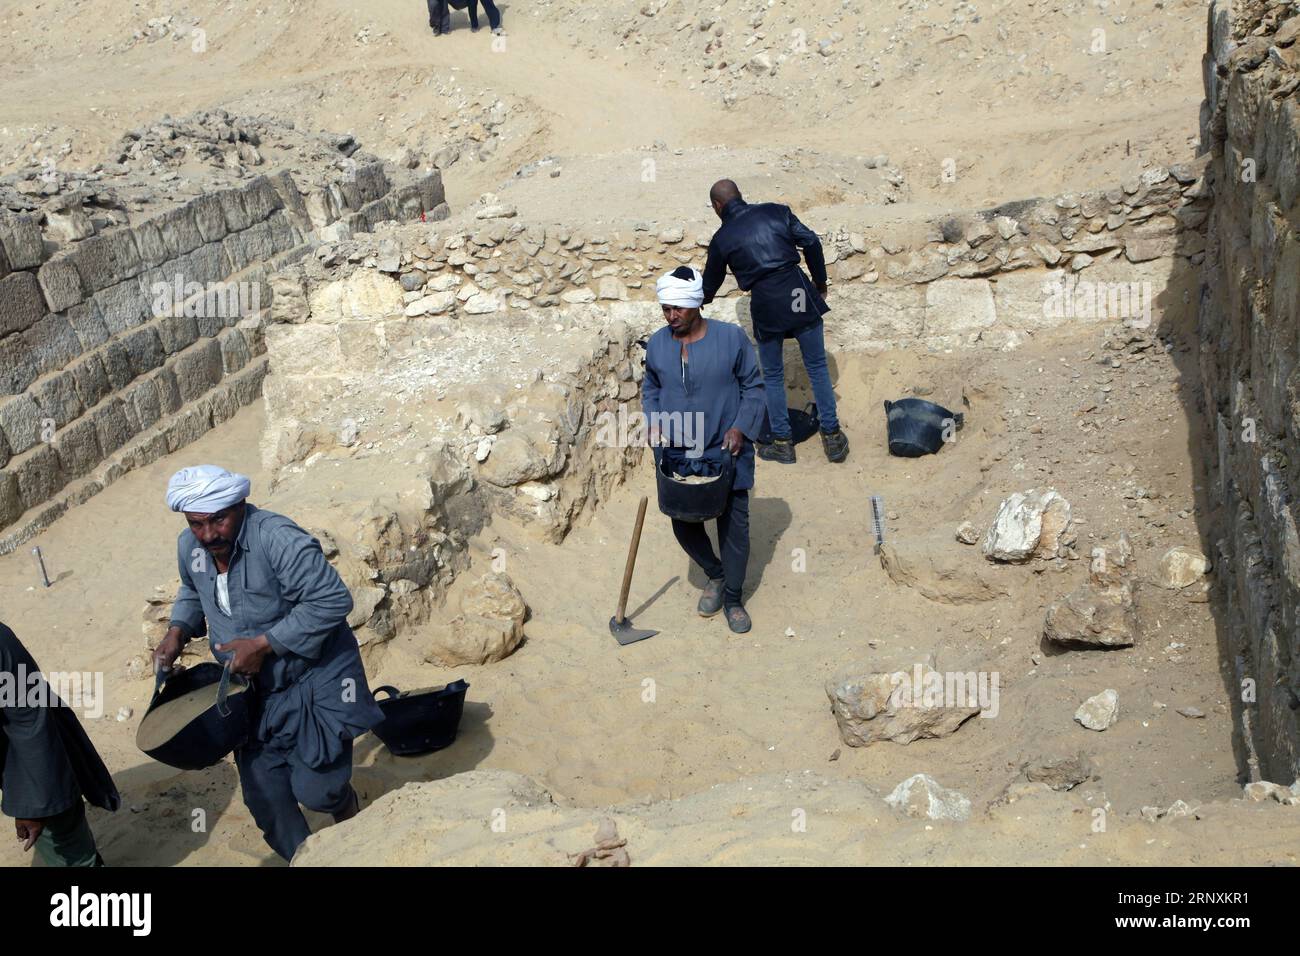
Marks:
<point>276,611</point>
<point>702,394</point>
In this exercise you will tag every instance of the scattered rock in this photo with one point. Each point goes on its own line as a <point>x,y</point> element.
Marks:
<point>1180,567</point>
<point>889,706</point>
<point>1192,712</point>
<point>921,796</point>
<point>1262,790</point>
<point>1062,774</point>
<point>1027,524</point>
<point>967,533</point>
<point>1093,616</point>
<point>1099,712</point>
<point>931,567</point>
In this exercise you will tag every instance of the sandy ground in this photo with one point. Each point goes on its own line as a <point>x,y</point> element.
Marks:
<point>1022,107</point>
<point>571,709</point>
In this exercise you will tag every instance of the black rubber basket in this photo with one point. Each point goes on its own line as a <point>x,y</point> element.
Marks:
<point>694,502</point>
<point>213,734</point>
<point>420,721</point>
<point>916,427</point>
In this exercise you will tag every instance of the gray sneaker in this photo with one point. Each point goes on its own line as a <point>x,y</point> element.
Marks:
<point>711,599</point>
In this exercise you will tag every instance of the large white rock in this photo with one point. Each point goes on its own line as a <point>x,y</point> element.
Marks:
<point>893,706</point>
<point>364,295</point>
<point>1181,567</point>
<point>1100,711</point>
<point>489,627</point>
<point>1028,523</point>
<point>921,796</point>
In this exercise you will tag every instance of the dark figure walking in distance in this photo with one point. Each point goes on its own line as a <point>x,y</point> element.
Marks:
<point>761,244</point>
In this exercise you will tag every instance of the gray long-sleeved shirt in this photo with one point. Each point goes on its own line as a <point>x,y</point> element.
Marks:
<point>280,584</point>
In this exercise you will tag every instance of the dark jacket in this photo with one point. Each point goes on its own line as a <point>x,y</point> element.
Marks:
<point>47,763</point>
<point>761,245</point>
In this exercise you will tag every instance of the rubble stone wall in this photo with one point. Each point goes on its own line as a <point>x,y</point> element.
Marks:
<point>96,378</point>
<point>1250,362</point>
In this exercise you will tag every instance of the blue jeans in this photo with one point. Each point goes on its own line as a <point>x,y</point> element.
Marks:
<point>812,345</point>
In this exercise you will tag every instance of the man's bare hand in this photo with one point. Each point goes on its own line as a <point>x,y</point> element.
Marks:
<point>29,831</point>
<point>733,441</point>
<point>165,654</point>
<point>249,652</point>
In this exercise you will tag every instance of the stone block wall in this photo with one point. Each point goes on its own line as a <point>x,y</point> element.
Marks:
<point>132,342</point>
<point>1249,317</point>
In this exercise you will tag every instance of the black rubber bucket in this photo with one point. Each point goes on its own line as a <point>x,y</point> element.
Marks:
<point>420,721</point>
<point>214,732</point>
<point>702,501</point>
<point>804,423</point>
<point>917,427</point>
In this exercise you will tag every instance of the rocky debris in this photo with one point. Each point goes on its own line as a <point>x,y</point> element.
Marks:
<point>1181,567</point>
<point>1033,523</point>
<point>1179,809</point>
<point>1123,551</point>
<point>967,533</point>
<point>1094,616</point>
<point>891,706</point>
<point>489,627</point>
<point>1100,711</point>
<point>1064,773</point>
<point>931,567</point>
<point>1195,713</point>
<point>609,850</point>
<point>1261,790</point>
<point>922,797</point>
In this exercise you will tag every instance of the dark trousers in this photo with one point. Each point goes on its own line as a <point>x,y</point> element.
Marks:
<point>733,540</point>
<point>275,782</point>
<point>812,345</point>
<point>494,15</point>
<point>66,839</point>
<point>439,15</point>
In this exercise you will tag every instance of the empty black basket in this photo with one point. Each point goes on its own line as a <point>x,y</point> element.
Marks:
<point>917,427</point>
<point>420,721</point>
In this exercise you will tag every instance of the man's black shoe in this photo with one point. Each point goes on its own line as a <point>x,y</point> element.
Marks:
<point>836,445</point>
<point>780,450</point>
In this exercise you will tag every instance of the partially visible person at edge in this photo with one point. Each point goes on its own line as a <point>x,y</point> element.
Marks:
<point>272,606</point>
<point>49,769</point>
<point>761,245</point>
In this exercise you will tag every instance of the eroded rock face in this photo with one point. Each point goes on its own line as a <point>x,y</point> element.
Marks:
<point>890,706</point>
<point>1029,524</point>
<point>1094,616</point>
<point>489,627</point>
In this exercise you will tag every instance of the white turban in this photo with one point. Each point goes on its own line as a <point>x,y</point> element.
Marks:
<point>205,489</point>
<point>683,287</point>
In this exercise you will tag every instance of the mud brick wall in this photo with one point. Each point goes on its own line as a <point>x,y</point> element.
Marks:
<point>96,379</point>
<point>1249,320</point>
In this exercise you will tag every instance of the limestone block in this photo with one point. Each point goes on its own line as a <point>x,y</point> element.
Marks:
<point>198,368</point>
<point>124,306</point>
<point>40,475</point>
<point>17,369</point>
<point>20,238</point>
<point>180,234</point>
<point>145,350</point>
<point>78,448</point>
<point>60,283</point>
<point>210,216</point>
<point>142,398</point>
<point>88,324</point>
<point>56,397</point>
<point>260,199</point>
<point>21,302</point>
<point>20,422</point>
<point>90,379</point>
<point>149,241</point>
<point>112,427</point>
<point>52,342</point>
<point>117,364</point>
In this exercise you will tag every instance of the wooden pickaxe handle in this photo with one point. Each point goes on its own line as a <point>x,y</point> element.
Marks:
<point>631,560</point>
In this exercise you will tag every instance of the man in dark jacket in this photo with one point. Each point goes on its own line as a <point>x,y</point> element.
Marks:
<point>48,766</point>
<point>761,244</point>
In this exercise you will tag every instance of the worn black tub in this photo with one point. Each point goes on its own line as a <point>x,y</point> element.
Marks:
<point>197,717</point>
<point>701,501</point>
<point>917,427</point>
<point>420,721</point>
